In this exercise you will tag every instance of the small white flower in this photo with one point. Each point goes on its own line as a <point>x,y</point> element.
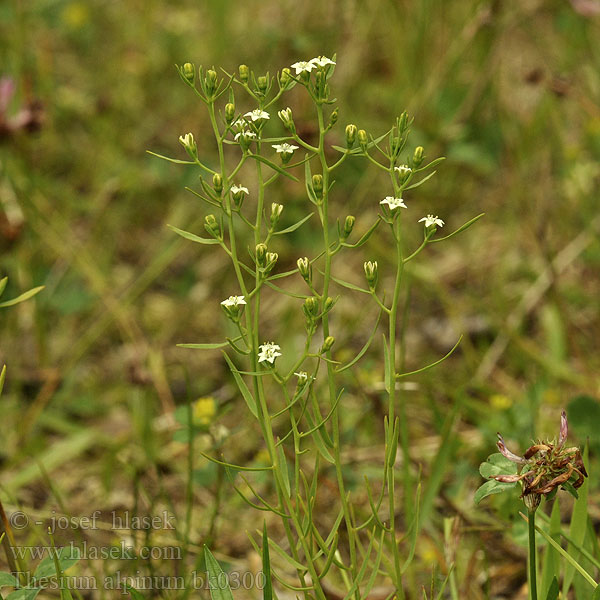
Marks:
<point>285,148</point>
<point>257,114</point>
<point>393,203</point>
<point>235,189</point>
<point>234,301</point>
<point>403,169</point>
<point>322,61</point>
<point>239,124</point>
<point>303,65</point>
<point>431,220</point>
<point>246,134</point>
<point>303,377</point>
<point>269,351</point>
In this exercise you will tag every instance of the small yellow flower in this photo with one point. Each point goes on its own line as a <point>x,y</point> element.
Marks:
<point>204,410</point>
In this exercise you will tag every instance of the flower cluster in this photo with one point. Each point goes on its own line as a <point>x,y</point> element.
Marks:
<point>269,351</point>
<point>546,466</point>
<point>307,66</point>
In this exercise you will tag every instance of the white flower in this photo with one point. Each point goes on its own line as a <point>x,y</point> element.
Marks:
<point>239,124</point>
<point>257,114</point>
<point>431,220</point>
<point>246,134</point>
<point>285,148</point>
<point>269,351</point>
<point>303,65</point>
<point>403,169</point>
<point>234,301</point>
<point>235,189</point>
<point>321,61</point>
<point>393,203</point>
<point>303,377</point>
<point>187,139</point>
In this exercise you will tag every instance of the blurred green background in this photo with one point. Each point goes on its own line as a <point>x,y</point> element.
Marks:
<point>509,92</point>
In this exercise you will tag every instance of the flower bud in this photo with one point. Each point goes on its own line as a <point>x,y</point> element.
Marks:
<point>363,140</point>
<point>229,112</point>
<point>276,210</point>
<point>218,183</point>
<point>329,302</point>
<point>311,308</point>
<point>285,78</point>
<point>349,225</point>
<point>261,255</point>
<point>244,73</point>
<point>286,118</point>
<point>333,117</point>
<point>271,259</point>
<point>371,273</point>
<point>211,225</point>
<point>328,343</point>
<point>317,184</point>
<point>418,156</point>
<point>188,142</point>
<point>189,72</point>
<point>403,123</point>
<point>320,83</point>
<point>262,82</point>
<point>350,135</point>
<point>305,269</point>
<point>210,81</point>
<point>238,192</point>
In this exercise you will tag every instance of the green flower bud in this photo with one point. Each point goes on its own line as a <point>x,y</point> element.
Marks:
<point>329,302</point>
<point>229,112</point>
<point>262,82</point>
<point>320,84</point>
<point>210,81</point>
<point>286,118</point>
<point>276,210</point>
<point>305,269</point>
<point>403,123</point>
<point>350,135</point>
<point>327,344</point>
<point>261,255</point>
<point>317,184</point>
<point>217,183</point>
<point>271,259</point>
<point>238,193</point>
<point>349,225</point>
<point>311,308</point>
<point>244,73</point>
<point>189,72</point>
<point>333,117</point>
<point>418,156</point>
<point>285,78</point>
<point>363,140</point>
<point>371,273</point>
<point>211,225</point>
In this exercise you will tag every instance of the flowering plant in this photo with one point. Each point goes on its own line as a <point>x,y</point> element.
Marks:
<point>254,152</point>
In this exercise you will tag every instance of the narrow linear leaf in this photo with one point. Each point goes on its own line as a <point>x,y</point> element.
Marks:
<point>266,566</point>
<point>2,378</point>
<point>214,346</point>
<point>3,282</point>
<point>193,238</point>
<point>285,474</point>
<point>273,166</point>
<point>459,230</point>
<point>294,226</point>
<point>173,160</point>
<point>422,181</point>
<point>248,397</point>
<point>22,297</point>
<point>551,564</point>
<point>217,580</point>
<point>433,364</point>
<point>364,348</point>
<point>386,362</point>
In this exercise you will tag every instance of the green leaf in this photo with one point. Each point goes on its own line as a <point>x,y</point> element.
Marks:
<point>364,348</point>
<point>24,594</point>
<point>386,362</point>
<point>551,566</point>
<point>248,397</point>
<point>422,181</point>
<point>214,346</point>
<point>6,579</point>
<point>294,226</point>
<point>173,160</point>
<point>135,595</point>
<point>2,378</point>
<point>266,566</point>
<point>273,166</point>
<point>67,557</point>
<point>365,236</point>
<point>22,297</point>
<point>489,488</point>
<point>553,590</point>
<point>217,580</point>
<point>348,285</point>
<point>459,230</point>
<point>190,236</point>
<point>284,470</point>
<point>3,282</point>
<point>497,464</point>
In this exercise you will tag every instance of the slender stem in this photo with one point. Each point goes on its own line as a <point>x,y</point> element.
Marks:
<point>532,566</point>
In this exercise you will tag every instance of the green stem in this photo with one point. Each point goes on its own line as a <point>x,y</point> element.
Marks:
<point>532,566</point>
